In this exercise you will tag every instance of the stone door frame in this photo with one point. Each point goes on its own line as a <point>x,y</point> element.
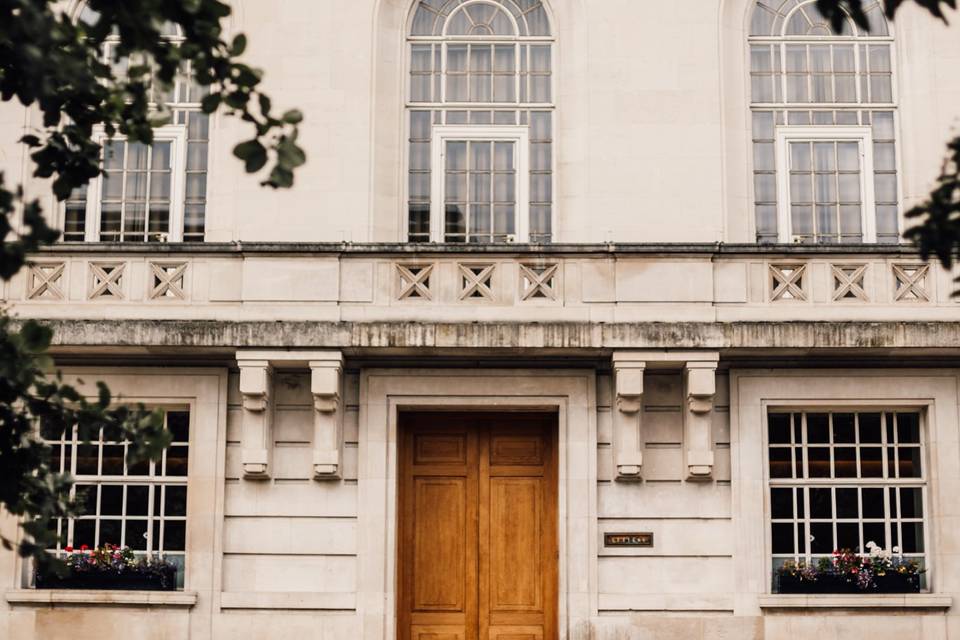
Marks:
<point>384,392</point>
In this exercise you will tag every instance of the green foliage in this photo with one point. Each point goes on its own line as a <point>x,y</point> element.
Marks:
<point>50,62</point>
<point>838,10</point>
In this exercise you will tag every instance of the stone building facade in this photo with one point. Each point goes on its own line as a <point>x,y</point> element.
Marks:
<point>558,278</point>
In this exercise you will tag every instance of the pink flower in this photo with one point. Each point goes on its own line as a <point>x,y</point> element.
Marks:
<point>68,549</point>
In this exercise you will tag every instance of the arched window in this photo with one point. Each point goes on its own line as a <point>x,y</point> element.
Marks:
<point>147,193</point>
<point>480,118</point>
<point>824,123</point>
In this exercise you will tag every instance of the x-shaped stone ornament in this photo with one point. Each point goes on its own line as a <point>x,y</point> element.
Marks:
<point>849,284</point>
<point>789,285</point>
<point>106,283</point>
<point>541,283</point>
<point>168,279</point>
<point>415,285</point>
<point>45,279</point>
<point>911,287</point>
<point>475,283</point>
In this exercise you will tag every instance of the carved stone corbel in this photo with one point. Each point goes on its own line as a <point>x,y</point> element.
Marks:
<point>627,419</point>
<point>325,384</point>
<point>700,382</point>
<point>257,433</point>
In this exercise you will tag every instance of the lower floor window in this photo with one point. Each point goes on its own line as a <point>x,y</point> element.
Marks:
<point>142,506</point>
<point>846,482</point>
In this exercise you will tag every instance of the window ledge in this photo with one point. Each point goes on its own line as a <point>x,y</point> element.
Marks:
<point>844,601</point>
<point>53,597</point>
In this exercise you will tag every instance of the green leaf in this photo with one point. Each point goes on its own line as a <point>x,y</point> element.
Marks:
<point>239,45</point>
<point>36,337</point>
<point>293,116</point>
<point>211,102</point>
<point>253,154</point>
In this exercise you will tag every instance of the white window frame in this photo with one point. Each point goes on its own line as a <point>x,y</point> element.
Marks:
<point>785,134</point>
<point>859,482</point>
<point>176,134</point>
<point>518,134</point>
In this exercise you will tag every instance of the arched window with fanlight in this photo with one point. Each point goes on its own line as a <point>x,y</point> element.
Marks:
<point>480,111</point>
<point>824,122</point>
<point>147,193</point>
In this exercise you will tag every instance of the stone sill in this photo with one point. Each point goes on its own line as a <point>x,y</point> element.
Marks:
<point>53,597</point>
<point>841,601</point>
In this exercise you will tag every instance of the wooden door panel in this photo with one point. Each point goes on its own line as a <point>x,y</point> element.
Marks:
<point>437,633</point>
<point>515,541</point>
<point>440,534</point>
<point>477,532</point>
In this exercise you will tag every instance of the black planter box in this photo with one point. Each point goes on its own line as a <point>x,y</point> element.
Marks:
<point>826,583</point>
<point>164,579</point>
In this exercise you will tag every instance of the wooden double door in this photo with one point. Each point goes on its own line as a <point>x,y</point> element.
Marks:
<point>477,537</point>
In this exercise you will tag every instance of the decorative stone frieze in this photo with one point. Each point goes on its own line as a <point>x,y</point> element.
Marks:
<point>539,281</point>
<point>167,280</point>
<point>45,281</point>
<point>628,370</point>
<point>848,282</point>
<point>414,281</point>
<point>325,385</point>
<point>107,280</point>
<point>476,281</point>
<point>700,388</point>
<point>256,377</point>
<point>787,282</point>
<point>910,282</point>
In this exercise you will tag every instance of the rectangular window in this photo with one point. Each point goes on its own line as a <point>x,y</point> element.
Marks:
<point>142,506</point>
<point>139,197</point>
<point>840,480</point>
<point>482,193</point>
<point>823,190</point>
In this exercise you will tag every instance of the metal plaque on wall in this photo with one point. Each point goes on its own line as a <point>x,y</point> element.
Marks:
<point>644,539</point>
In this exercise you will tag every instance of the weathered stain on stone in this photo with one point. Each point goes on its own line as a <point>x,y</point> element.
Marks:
<point>507,335</point>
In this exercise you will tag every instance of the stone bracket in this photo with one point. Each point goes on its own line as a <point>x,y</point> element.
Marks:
<point>700,387</point>
<point>325,384</point>
<point>257,432</point>
<point>326,372</point>
<point>627,419</point>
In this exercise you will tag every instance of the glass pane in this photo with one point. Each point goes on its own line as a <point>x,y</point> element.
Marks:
<point>869,427</point>
<point>845,462</point>
<point>818,462</point>
<point>176,461</point>
<point>503,156</point>
<point>136,185</point>
<point>781,537</point>
<point>885,187</point>
<point>871,462</point>
<point>480,187</point>
<point>160,186</point>
<point>884,156</point>
<point>801,188</point>
<point>818,428</point>
<point>540,59</point>
<point>800,156</point>
<point>781,503</point>
<point>821,505</point>
<point>137,500</point>
<point>138,156</point>
<point>781,464</point>
<point>113,155</point>
<point>821,537</point>
<point>763,156</point>
<point>456,159</point>
<point>879,58</point>
<point>908,462</point>
<point>908,428</point>
<point>880,88</point>
<point>779,428</point>
<point>765,188</point>
<point>848,156</point>
<point>911,502</point>
<point>847,503</point>
<point>912,537</point>
<point>111,500</point>
<point>457,57</point>
<point>175,501</point>
<point>849,187</point>
<point>761,58</point>
<point>824,156</point>
<point>873,503</point>
<point>883,125</point>
<point>505,189</point>
<point>161,156</point>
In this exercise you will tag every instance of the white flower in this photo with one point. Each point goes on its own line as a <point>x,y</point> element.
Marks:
<point>896,549</point>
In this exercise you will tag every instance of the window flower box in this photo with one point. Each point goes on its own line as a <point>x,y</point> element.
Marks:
<point>109,568</point>
<point>848,572</point>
